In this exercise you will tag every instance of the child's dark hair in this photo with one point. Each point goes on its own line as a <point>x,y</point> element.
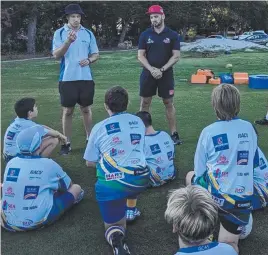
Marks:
<point>145,117</point>
<point>116,98</point>
<point>23,106</point>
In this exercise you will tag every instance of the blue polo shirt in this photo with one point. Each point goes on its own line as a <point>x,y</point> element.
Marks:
<point>159,46</point>
<point>85,44</point>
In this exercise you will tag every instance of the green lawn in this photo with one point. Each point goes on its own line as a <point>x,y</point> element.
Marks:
<point>81,231</point>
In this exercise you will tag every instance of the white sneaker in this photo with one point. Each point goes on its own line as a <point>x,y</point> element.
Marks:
<point>246,230</point>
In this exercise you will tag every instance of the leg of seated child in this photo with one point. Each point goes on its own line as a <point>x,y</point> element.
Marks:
<point>47,146</point>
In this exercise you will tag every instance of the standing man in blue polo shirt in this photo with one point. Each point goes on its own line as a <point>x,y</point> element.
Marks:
<point>159,50</point>
<point>77,48</point>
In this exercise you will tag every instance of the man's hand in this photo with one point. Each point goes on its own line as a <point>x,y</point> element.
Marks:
<point>71,36</point>
<point>156,73</point>
<point>84,62</point>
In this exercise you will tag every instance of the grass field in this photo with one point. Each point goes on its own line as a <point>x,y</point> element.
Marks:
<point>81,231</point>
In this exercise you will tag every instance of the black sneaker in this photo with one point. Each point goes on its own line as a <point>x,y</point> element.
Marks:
<point>65,149</point>
<point>264,121</point>
<point>119,245</point>
<point>176,139</point>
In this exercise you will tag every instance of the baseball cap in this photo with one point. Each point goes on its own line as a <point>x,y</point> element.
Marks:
<point>30,139</point>
<point>155,9</point>
<point>73,9</point>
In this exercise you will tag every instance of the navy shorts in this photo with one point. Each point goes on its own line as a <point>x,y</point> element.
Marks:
<point>113,211</point>
<point>260,197</point>
<point>231,219</point>
<point>164,86</point>
<point>76,92</point>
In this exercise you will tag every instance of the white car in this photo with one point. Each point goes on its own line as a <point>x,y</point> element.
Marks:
<point>247,34</point>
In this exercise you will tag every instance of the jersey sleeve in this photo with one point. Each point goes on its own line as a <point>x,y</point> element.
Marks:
<point>58,178</point>
<point>200,157</point>
<point>176,42</point>
<point>57,41</point>
<point>92,153</point>
<point>142,42</point>
<point>93,47</point>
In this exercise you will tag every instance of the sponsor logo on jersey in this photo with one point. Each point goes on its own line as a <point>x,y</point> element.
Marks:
<point>113,128</point>
<point>116,140</point>
<point>240,189</point>
<point>8,207</point>
<point>135,161</point>
<point>27,222</point>
<point>262,164</point>
<point>31,192</point>
<point>242,157</point>
<point>10,135</point>
<point>12,174</point>
<point>220,142</point>
<point>219,174</point>
<point>114,176</point>
<point>149,41</point>
<point>159,160</point>
<point>245,204</point>
<point>166,40</point>
<point>155,149</point>
<point>37,172</point>
<point>170,155</point>
<point>266,176</point>
<point>9,192</point>
<point>26,208</point>
<point>217,200</point>
<point>135,138</point>
<point>133,123</point>
<point>114,152</point>
<point>222,160</point>
<point>243,135</point>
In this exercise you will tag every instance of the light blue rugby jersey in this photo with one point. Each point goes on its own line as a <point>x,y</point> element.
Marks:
<point>261,173</point>
<point>159,152</point>
<point>117,145</point>
<point>28,189</point>
<point>85,44</point>
<point>10,138</point>
<point>225,153</point>
<point>214,248</point>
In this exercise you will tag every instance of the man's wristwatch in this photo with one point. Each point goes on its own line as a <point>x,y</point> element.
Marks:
<point>162,69</point>
<point>89,61</point>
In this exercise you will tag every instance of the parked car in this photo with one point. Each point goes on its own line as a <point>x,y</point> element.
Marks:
<point>261,39</point>
<point>247,34</point>
<point>216,37</point>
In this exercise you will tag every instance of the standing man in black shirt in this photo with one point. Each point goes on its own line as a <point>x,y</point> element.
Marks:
<point>159,50</point>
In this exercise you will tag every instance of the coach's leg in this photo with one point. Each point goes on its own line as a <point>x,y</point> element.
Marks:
<point>67,117</point>
<point>87,118</point>
<point>170,113</point>
<point>47,146</point>
<point>145,104</point>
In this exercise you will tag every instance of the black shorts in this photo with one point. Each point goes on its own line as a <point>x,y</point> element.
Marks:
<point>149,85</point>
<point>76,92</point>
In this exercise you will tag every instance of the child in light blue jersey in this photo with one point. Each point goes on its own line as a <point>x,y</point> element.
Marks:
<point>225,157</point>
<point>26,110</point>
<point>115,148</point>
<point>193,215</point>
<point>159,152</point>
<point>36,191</point>
<point>260,198</point>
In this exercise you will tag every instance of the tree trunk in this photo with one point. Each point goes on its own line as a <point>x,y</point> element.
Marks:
<point>124,32</point>
<point>31,33</point>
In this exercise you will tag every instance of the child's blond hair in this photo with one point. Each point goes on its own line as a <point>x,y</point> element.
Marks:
<point>226,101</point>
<point>193,213</point>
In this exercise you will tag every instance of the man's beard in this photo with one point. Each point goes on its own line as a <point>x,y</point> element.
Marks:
<point>158,25</point>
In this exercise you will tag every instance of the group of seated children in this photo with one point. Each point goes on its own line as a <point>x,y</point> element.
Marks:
<point>130,156</point>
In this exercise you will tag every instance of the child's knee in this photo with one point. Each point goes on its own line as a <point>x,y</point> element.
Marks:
<point>75,189</point>
<point>189,178</point>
